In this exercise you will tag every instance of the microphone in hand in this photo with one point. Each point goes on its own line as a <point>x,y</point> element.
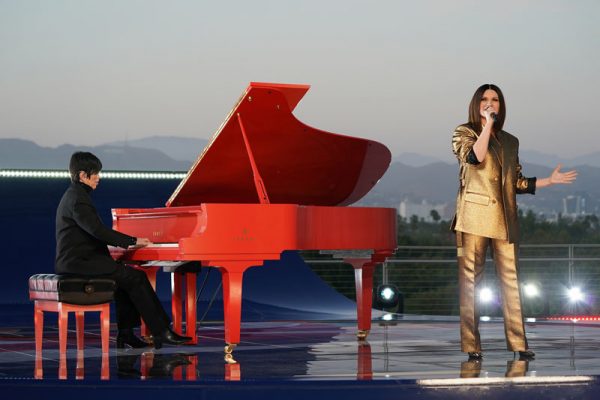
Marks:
<point>493,116</point>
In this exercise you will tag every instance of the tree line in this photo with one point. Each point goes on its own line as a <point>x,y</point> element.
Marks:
<point>415,231</point>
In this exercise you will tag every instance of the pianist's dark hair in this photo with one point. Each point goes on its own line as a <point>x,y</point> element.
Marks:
<point>84,161</point>
<point>475,117</point>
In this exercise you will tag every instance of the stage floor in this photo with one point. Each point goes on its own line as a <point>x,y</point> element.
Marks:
<point>422,352</point>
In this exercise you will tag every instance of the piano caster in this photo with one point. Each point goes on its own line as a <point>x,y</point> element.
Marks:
<point>229,354</point>
<point>362,335</point>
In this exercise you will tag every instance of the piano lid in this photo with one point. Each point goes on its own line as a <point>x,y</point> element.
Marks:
<point>298,164</point>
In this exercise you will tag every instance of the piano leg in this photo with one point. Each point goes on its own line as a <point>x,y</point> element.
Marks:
<point>189,294</point>
<point>232,274</point>
<point>363,278</point>
<point>192,367</point>
<point>365,363</point>
<point>176,278</point>
<point>190,306</point>
<point>233,372</point>
<point>146,363</point>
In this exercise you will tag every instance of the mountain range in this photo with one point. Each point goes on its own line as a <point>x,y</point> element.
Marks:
<point>157,153</point>
<point>528,156</point>
<point>410,177</point>
<point>437,184</point>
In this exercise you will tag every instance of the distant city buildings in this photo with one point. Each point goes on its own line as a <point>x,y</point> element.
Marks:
<point>574,206</point>
<point>422,210</point>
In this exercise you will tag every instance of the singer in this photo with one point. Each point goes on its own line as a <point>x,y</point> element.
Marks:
<point>486,214</point>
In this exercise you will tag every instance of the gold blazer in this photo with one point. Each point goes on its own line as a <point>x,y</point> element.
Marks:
<point>486,203</point>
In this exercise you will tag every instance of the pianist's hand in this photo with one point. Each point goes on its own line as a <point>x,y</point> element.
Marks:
<point>142,242</point>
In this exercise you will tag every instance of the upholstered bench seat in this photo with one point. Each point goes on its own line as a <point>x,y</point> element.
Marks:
<point>71,289</point>
<point>69,293</point>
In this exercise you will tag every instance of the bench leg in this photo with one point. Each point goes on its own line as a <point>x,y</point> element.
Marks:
<point>105,372</point>
<point>63,324</point>
<point>38,318</point>
<point>63,310</point>
<point>79,323</point>
<point>105,327</point>
<point>38,373</point>
<point>62,366</point>
<point>79,367</point>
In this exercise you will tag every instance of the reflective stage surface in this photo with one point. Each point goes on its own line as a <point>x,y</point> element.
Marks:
<point>416,355</point>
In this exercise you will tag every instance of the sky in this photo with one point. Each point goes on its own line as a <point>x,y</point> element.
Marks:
<point>87,72</point>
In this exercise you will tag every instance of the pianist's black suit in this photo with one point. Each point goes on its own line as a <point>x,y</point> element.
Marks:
<point>81,248</point>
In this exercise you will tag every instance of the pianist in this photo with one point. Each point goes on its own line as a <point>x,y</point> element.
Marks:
<point>81,249</point>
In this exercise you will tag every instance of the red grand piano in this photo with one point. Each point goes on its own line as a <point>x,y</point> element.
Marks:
<point>266,183</point>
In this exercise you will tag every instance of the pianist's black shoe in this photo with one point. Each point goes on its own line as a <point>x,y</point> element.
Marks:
<point>164,364</point>
<point>127,337</point>
<point>475,355</point>
<point>169,337</point>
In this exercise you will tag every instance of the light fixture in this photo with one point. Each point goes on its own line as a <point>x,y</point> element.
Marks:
<point>486,295</point>
<point>388,296</point>
<point>531,290</point>
<point>388,317</point>
<point>575,294</point>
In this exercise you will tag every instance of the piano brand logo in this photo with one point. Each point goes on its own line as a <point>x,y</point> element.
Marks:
<point>156,234</point>
<point>245,236</point>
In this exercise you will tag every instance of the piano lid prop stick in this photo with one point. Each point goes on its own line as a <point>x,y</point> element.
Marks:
<point>258,182</point>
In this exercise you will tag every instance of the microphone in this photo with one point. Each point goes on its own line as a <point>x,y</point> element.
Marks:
<point>493,115</point>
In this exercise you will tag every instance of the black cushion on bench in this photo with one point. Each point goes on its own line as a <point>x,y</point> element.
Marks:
<point>71,289</point>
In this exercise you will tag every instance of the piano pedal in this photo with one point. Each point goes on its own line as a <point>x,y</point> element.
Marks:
<point>362,335</point>
<point>229,354</point>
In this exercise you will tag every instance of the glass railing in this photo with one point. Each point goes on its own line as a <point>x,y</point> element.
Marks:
<point>556,280</point>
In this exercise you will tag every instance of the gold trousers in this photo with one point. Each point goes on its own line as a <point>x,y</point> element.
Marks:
<point>514,368</point>
<point>471,261</point>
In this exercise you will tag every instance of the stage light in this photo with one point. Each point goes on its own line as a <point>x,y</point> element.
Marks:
<point>388,296</point>
<point>486,295</point>
<point>387,293</point>
<point>388,317</point>
<point>485,318</point>
<point>575,294</point>
<point>531,290</point>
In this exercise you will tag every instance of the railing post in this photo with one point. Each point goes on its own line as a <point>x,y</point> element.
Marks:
<point>570,265</point>
<point>384,273</point>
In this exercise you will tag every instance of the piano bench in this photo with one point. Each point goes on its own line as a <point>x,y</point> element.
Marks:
<point>70,293</point>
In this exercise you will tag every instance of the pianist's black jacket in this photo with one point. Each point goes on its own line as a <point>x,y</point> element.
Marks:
<point>81,237</point>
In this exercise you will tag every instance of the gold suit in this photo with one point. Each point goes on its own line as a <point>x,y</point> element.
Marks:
<point>486,212</point>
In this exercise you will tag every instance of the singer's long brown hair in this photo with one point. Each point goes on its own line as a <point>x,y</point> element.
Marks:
<point>475,117</point>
